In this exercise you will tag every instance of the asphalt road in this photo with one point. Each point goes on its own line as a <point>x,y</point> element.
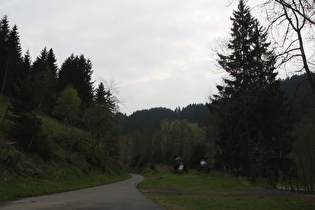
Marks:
<point>120,195</point>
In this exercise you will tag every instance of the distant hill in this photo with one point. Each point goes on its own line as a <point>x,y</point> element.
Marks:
<point>194,113</point>
<point>150,118</point>
<point>147,118</point>
<point>298,90</point>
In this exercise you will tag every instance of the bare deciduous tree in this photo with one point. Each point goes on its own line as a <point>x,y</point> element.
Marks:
<point>292,25</point>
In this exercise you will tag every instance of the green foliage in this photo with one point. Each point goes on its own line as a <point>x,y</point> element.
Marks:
<point>68,105</point>
<point>176,138</point>
<point>50,140</point>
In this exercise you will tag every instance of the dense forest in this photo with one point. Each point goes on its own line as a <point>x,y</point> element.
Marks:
<point>256,125</point>
<point>57,113</point>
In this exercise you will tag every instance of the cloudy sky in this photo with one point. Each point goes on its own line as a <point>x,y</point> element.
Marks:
<point>158,52</point>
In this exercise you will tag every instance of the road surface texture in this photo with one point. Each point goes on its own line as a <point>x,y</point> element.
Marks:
<point>120,195</point>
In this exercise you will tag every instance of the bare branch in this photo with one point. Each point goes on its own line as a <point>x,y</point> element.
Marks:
<point>302,14</point>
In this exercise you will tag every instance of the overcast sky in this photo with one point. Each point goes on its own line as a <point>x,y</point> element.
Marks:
<point>157,51</point>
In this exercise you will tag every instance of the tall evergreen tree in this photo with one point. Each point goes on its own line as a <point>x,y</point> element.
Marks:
<point>52,63</point>
<point>4,47</point>
<point>26,64</point>
<point>77,71</point>
<point>100,93</point>
<point>44,75</point>
<point>40,63</point>
<point>14,68</point>
<point>253,120</point>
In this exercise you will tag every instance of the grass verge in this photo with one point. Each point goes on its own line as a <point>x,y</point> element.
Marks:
<point>66,179</point>
<point>217,191</point>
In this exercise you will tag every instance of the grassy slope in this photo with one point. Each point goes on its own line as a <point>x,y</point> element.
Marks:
<point>213,191</point>
<point>34,176</point>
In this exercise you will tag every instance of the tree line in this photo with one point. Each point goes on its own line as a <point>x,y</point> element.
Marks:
<point>257,125</point>
<point>159,135</point>
<point>66,93</point>
<point>151,118</point>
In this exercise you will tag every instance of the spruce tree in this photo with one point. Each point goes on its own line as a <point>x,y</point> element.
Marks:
<point>26,64</point>
<point>100,93</point>
<point>77,71</point>
<point>44,76</point>
<point>251,108</point>
<point>14,67</point>
<point>52,63</point>
<point>40,62</point>
<point>4,48</point>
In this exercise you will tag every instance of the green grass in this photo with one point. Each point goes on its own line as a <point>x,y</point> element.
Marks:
<point>223,202</point>
<point>194,182</point>
<point>213,191</point>
<point>53,126</point>
<point>65,179</point>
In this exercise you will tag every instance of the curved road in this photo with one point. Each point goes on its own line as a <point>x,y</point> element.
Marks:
<point>120,195</point>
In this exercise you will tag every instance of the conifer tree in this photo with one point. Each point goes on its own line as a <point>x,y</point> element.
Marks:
<point>251,108</point>
<point>40,62</point>
<point>52,63</point>
<point>101,121</point>
<point>100,94</point>
<point>104,97</point>
<point>4,48</point>
<point>44,76</point>
<point>77,71</point>
<point>14,67</point>
<point>26,65</point>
